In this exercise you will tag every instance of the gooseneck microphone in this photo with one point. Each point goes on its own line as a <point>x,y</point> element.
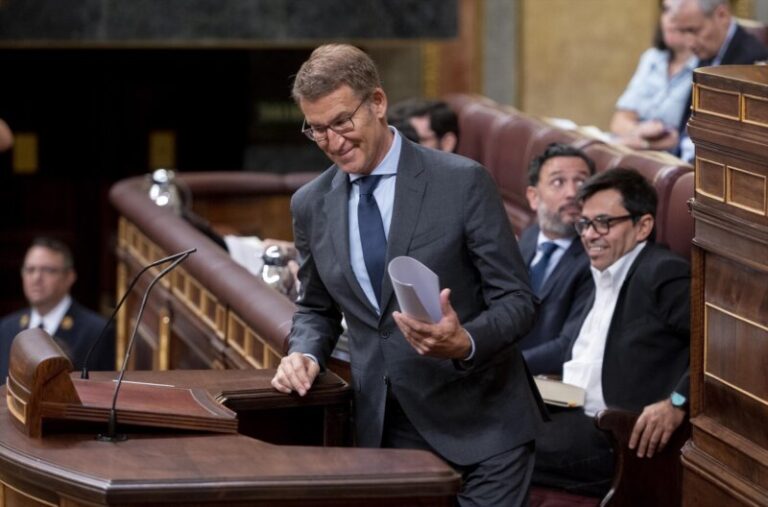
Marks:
<point>84,371</point>
<point>111,435</point>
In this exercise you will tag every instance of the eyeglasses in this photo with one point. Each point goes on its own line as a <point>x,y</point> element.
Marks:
<point>319,133</point>
<point>45,270</point>
<point>601,224</point>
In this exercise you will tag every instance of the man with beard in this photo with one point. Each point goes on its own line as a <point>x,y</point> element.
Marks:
<point>558,265</point>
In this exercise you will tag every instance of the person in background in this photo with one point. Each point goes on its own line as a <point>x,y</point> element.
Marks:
<point>558,265</point>
<point>47,275</point>
<point>632,348</point>
<point>650,109</point>
<point>6,136</point>
<point>712,34</point>
<point>435,123</point>
<point>457,387</point>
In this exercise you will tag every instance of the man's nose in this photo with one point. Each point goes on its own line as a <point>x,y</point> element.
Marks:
<point>334,140</point>
<point>572,188</point>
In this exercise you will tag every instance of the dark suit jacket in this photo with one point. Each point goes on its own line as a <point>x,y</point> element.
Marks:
<point>561,302</point>
<point>78,330</point>
<point>647,351</point>
<point>744,49</point>
<point>448,215</point>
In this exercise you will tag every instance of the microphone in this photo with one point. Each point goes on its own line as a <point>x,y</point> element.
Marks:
<point>180,257</point>
<point>84,371</point>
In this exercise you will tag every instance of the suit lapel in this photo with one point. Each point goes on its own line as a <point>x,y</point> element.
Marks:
<point>563,266</point>
<point>527,244</point>
<point>409,197</point>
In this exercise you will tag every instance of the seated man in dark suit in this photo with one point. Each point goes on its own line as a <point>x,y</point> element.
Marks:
<point>47,275</point>
<point>557,263</point>
<point>713,35</point>
<point>632,349</point>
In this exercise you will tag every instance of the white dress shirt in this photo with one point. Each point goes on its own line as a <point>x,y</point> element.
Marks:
<point>52,319</point>
<point>585,368</point>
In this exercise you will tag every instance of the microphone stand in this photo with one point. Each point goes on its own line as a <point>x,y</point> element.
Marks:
<point>84,371</point>
<point>111,435</point>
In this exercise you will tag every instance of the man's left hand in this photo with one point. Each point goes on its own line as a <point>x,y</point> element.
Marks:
<point>654,428</point>
<point>444,339</point>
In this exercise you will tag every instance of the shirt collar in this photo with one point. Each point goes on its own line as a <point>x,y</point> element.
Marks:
<point>617,271</point>
<point>564,243</point>
<point>52,319</point>
<point>388,164</point>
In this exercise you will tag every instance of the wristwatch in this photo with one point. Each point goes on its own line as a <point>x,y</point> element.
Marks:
<point>679,401</point>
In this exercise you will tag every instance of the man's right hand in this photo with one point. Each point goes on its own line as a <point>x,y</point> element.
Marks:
<point>295,373</point>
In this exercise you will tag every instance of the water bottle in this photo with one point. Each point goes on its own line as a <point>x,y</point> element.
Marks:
<point>163,190</point>
<point>275,272</point>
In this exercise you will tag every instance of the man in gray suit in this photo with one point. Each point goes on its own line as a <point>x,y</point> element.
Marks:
<point>457,387</point>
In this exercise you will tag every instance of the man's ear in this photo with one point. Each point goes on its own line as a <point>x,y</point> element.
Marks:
<point>379,103</point>
<point>645,226</point>
<point>448,142</point>
<point>722,15</point>
<point>532,194</point>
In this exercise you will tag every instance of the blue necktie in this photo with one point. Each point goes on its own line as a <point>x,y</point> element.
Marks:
<point>539,270</point>
<point>372,237</point>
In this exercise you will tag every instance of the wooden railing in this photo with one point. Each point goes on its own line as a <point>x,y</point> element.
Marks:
<point>210,312</point>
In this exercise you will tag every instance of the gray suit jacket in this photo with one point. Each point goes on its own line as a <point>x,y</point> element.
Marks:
<point>448,215</point>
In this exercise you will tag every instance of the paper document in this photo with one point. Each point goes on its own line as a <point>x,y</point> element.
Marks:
<point>555,392</point>
<point>417,289</point>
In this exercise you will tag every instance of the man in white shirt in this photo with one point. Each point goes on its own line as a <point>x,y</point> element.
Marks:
<point>47,276</point>
<point>632,350</point>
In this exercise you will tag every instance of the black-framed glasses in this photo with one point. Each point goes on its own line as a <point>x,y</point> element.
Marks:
<point>319,133</point>
<point>601,224</point>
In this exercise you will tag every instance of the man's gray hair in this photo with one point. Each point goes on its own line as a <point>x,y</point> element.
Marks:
<point>706,6</point>
<point>334,65</point>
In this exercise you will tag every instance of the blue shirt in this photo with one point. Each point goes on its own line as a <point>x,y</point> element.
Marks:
<point>652,94</point>
<point>384,193</point>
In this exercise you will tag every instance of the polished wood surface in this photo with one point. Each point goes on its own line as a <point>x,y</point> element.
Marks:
<point>70,467</point>
<point>726,460</point>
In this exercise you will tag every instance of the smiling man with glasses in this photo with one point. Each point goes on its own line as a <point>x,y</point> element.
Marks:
<point>457,387</point>
<point>47,276</point>
<point>632,349</point>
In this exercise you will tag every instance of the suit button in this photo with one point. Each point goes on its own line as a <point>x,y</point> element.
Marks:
<point>384,335</point>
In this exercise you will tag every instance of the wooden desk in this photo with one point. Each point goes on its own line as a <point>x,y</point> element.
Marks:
<point>72,468</point>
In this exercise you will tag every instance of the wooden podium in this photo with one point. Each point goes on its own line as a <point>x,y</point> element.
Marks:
<point>726,460</point>
<point>49,454</point>
<point>40,388</point>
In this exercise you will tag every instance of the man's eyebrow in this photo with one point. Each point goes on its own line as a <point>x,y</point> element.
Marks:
<point>340,116</point>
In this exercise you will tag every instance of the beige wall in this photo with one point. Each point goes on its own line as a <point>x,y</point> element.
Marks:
<point>576,56</point>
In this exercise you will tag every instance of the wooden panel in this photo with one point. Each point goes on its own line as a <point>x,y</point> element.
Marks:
<point>734,352</point>
<point>725,104</point>
<point>726,461</point>
<point>755,110</point>
<point>746,190</point>
<point>13,497</point>
<point>710,178</point>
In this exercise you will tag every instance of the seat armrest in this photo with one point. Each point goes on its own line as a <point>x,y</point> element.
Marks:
<point>642,481</point>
